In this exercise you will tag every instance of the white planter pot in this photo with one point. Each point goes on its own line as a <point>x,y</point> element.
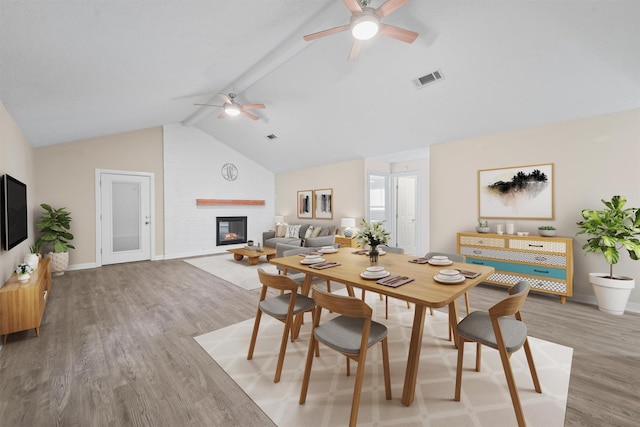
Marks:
<point>32,260</point>
<point>59,262</point>
<point>612,294</point>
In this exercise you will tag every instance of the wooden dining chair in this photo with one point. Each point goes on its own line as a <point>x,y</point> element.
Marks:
<point>505,334</point>
<point>393,250</point>
<point>282,307</point>
<point>351,333</point>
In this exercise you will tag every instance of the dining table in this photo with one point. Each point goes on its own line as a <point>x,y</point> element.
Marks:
<point>423,291</point>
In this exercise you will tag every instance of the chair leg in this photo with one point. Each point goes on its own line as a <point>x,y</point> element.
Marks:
<point>466,302</point>
<point>459,368</point>
<point>532,366</point>
<point>357,389</point>
<point>328,285</point>
<point>254,334</point>
<point>386,306</point>
<point>283,349</point>
<point>363,292</point>
<point>313,343</point>
<point>385,367</point>
<point>478,356</point>
<point>508,373</point>
<point>350,291</point>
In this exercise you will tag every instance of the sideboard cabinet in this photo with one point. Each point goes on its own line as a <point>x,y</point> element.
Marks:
<point>22,303</point>
<point>545,262</point>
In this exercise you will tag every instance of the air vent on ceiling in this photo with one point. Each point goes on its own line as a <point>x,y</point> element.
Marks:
<point>271,136</point>
<point>428,79</point>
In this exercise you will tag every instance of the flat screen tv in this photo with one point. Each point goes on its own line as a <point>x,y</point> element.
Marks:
<point>14,212</point>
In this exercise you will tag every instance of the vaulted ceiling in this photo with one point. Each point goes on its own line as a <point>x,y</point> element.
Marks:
<point>71,70</point>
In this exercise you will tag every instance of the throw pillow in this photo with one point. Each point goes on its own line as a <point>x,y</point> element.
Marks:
<point>281,230</point>
<point>316,231</point>
<point>324,232</point>
<point>309,231</point>
<point>293,231</point>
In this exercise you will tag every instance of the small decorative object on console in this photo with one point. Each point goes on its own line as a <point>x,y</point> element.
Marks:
<point>372,234</point>
<point>483,226</point>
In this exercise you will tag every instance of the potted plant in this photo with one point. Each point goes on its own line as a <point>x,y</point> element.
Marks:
<point>54,225</point>
<point>483,226</point>
<point>23,272</point>
<point>33,257</point>
<point>372,234</point>
<point>610,230</point>
<point>547,230</point>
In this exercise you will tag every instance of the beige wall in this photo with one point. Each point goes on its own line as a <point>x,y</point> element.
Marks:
<point>594,159</point>
<point>346,180</point>
<point>16,159</point>
<point>65,177</point>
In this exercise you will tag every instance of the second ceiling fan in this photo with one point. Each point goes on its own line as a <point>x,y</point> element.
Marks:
<point>366,22</point>
<point>232,108</point>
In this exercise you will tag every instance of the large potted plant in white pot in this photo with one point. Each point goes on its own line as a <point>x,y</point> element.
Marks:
<point>610,231</point>
<point>54,225</point>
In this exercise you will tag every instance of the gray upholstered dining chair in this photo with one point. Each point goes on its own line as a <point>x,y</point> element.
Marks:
<point>352,334</point>
<point>282,307</point>
<point>506,334</point>
<point>393,250</point>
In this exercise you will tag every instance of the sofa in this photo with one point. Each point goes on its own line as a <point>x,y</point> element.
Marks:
<point>307,235</point>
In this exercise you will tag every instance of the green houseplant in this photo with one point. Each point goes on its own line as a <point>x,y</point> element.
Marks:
<point>547,230</point>
<point>609,231</point>
<point>54,226</point>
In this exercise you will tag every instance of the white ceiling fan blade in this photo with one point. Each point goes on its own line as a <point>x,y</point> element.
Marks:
<point>355,50</point>
<point>398,33</point>
<point>353,6</point>
<point>225,97</point>
<point>209,105</point>
<point>323,33</point>
<point>389,7</point>
<point>223,115</point>
<point>248,114</point>
<point>252,106</point>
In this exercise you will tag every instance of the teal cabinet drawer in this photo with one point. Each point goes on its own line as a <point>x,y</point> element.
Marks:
<point>533,270</point>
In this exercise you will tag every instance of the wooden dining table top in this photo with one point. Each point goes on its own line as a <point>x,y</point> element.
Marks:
<point>423,290</point>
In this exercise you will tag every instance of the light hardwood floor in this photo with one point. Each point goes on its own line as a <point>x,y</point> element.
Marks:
<point>116,349</point>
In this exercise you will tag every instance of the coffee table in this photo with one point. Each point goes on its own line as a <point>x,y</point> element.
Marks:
<point>253,256</point>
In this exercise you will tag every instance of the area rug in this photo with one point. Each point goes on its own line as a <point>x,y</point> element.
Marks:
<point>485,396</point>
<point>239,273</point>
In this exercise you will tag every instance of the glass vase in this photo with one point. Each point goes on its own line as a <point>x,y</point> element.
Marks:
<point>373,254</point>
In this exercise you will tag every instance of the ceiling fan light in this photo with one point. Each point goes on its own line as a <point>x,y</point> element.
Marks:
<point>365,27</point>
<point>231,110</point>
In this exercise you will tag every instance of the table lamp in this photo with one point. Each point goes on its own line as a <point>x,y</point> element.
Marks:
<point>347,223</point>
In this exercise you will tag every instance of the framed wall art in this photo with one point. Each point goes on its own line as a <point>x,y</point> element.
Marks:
<point>323,203</point>
<point>305,204</point>
<point>524,192</point>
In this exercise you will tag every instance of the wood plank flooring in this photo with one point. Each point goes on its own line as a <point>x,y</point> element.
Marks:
<point>116,348</point>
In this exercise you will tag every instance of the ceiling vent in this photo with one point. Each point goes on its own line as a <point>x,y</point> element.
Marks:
<point>271,136</point>
<point>428,79</point>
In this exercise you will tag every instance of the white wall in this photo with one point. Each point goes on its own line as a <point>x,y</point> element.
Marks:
<point>192,165</point>
<point>594,158</point>
<point>17,160</point>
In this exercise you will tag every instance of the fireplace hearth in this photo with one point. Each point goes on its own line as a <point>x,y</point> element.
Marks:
<point>231,230</point>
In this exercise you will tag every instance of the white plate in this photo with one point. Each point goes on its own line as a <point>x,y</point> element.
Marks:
<point>440,258</point>
<point>448,279</point>
<point>364,275</point>
<point>328,251</point>
<point>375,269</point>
<point>435,262</point>
<point>311,260</point>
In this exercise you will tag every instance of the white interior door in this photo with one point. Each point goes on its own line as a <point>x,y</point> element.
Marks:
<point>406,213</point>
<point>125,218</point>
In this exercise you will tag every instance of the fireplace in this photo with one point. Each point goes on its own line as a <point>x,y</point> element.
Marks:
<point>231,230</point>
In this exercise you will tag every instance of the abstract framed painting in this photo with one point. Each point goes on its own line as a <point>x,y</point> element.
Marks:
<point>305,204</point>
<point>524,192</point>
<point>323,203</point>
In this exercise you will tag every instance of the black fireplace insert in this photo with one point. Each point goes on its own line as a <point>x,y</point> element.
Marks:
<point>231,230</point>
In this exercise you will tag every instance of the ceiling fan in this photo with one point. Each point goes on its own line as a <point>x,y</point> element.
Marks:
<point>366,22</point>
<point>233,108</point>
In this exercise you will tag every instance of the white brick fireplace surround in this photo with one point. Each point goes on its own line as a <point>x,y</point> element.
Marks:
<point>192,170</point>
